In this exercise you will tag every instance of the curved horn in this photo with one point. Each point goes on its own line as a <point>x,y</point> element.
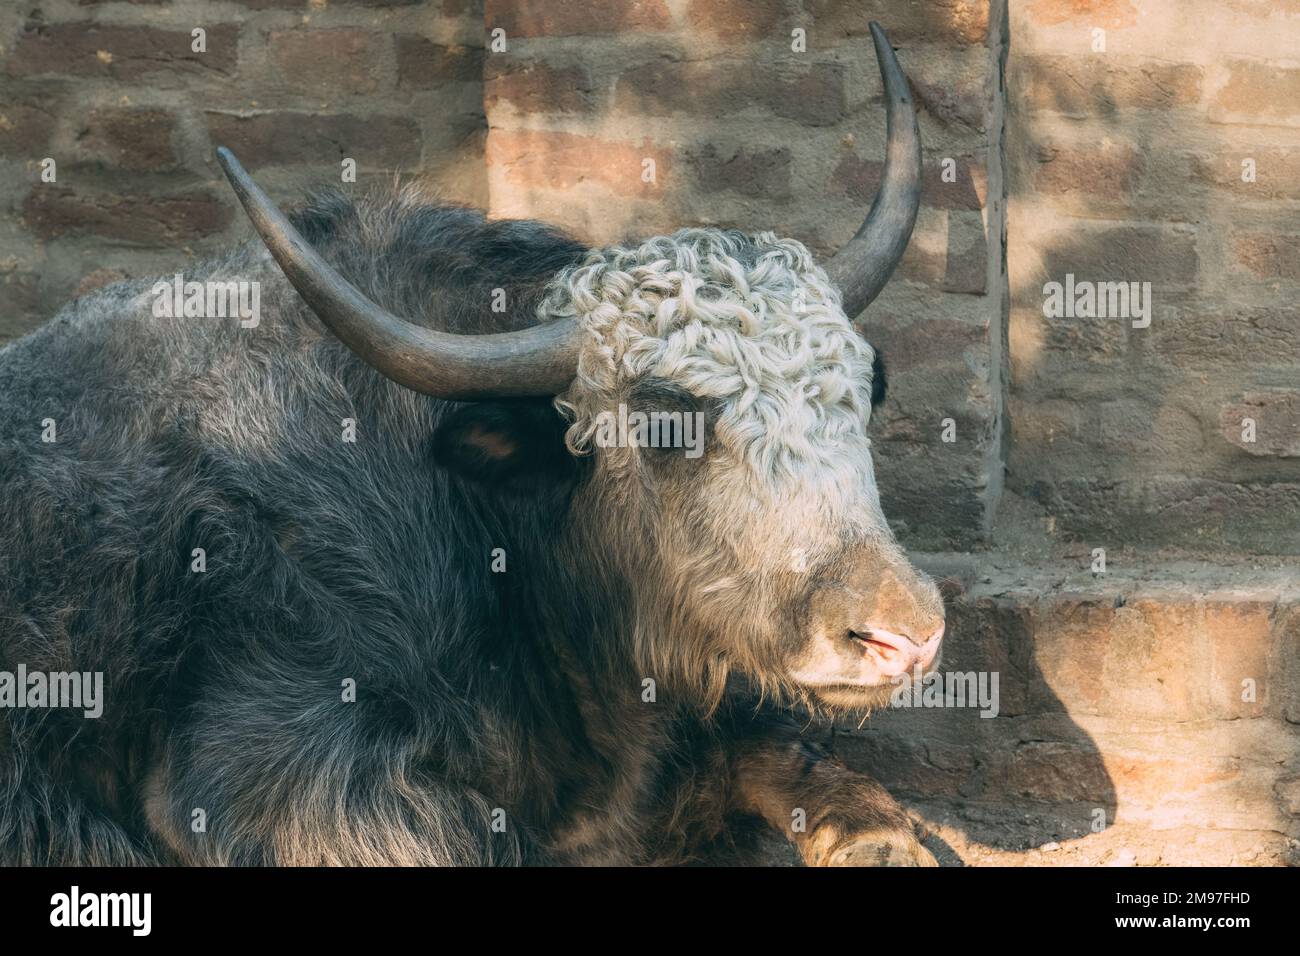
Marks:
<point>863,266</point>
<point>539,360</point>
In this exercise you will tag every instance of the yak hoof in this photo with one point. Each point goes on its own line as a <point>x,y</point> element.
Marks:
<point>883,849</point>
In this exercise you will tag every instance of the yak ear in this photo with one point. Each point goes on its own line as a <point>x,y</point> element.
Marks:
<point>516,444</point>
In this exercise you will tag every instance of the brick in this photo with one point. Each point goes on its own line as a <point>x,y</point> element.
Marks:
<point>1063,344</point>
<point>263,139</point>
<point>1110,171</point>
<point>994,636</point>
<point>535,86</point>
<point>20,310</point>
<point>1151,668</point>
<point>1132,428</point>
<point>1160,255</point>
<point>134,139</point>
<point>330,62</point>
<point>58,213</point>
<point>933,21</point>
<point>576,17</point>
<point>1258,92</point>
<point>1263,9</point>
<point>1288,649</point>
<point>910,347</point>
<point>1123,429</point>
<point>421,63</point>
<point>1288,794</point>
<point>27,123</point>
<point>739,19</point>
<point>1276,415</point>
<point>959,264</point>
<point>1109,14</point>
<point>564,160</point>
<point>119,52</point>
<point>951,103</point>
<point>1148,779</point>
<point>1253,517</point>
<point>762,173</point>
<point>813,96</point>
<point>1240,635</point>
<point>1205,337</point>
<point>1050,771</point>
<point>859,180</point>
<point>1269,256</point>
<point>1040,775</point>
<point>938,515</point>
<point>1277,173</point>
<point>1068,679</point>
<point>1099,86</point>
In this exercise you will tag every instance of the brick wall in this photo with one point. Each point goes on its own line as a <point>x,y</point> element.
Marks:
<point>1122,163</point>
<point>1126,163</point>
<point>115,93</point>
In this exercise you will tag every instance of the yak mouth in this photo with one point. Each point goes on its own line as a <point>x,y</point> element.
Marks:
<point>847,697</point>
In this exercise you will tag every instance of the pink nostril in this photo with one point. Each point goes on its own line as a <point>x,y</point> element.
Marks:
<point>896,654</point>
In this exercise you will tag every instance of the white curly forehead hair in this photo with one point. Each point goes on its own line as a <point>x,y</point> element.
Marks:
<point>748,321</point>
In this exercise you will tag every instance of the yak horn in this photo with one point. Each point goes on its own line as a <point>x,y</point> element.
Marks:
<point>534,361</point>
<point>863,266</point>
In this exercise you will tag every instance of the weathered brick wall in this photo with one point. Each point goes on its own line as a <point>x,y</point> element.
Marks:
<point>1122,163</point>
<point>1127,163</point>
<point>745,131</point>
<point>115,93</point>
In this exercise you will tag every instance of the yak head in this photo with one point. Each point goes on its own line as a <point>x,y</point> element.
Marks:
<point>716,386</point>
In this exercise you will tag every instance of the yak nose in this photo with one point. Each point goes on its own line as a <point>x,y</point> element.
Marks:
<point>872,627</point>
<point>896,654</point>
<point>897,618</point>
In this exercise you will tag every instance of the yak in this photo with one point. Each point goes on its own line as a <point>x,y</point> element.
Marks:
<point>363,585</point>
